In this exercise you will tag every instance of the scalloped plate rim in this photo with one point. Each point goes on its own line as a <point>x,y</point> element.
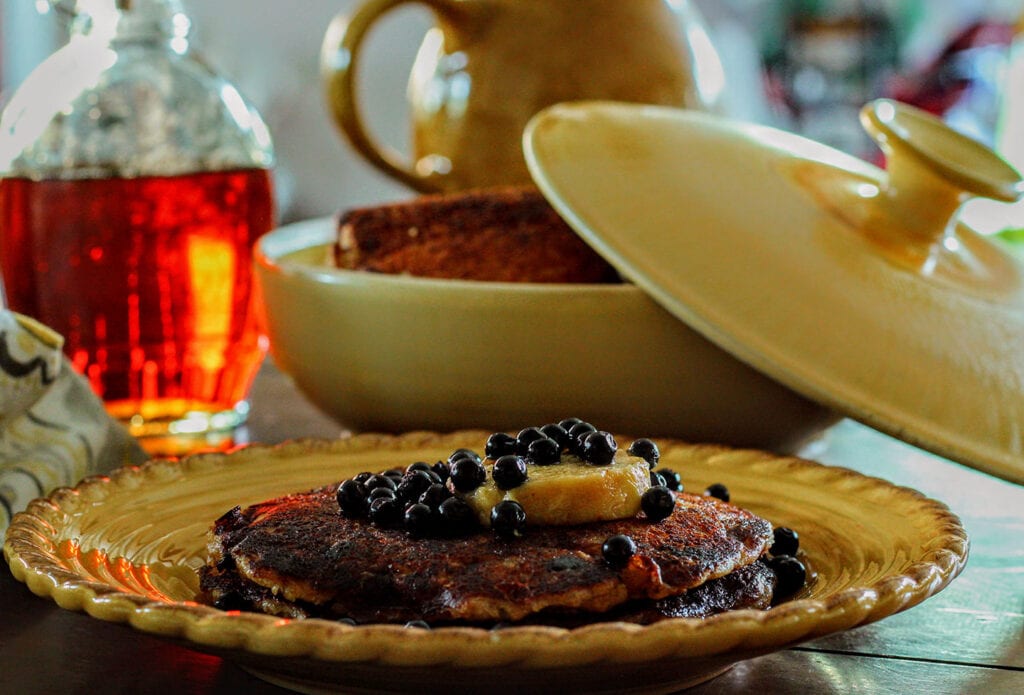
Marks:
<point>750,631</point>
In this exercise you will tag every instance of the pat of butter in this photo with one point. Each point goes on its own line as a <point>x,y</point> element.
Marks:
<point>569,492</point>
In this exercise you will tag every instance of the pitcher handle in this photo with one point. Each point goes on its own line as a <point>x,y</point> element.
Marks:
<point>339,65</point>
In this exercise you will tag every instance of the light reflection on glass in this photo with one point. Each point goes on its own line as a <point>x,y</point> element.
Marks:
<point>709,77</point>
<point>868,190</point>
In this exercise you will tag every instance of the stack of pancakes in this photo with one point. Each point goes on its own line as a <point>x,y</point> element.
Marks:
<point>297,556</point>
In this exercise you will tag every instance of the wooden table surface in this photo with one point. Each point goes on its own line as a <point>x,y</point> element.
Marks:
<point>967,639</point>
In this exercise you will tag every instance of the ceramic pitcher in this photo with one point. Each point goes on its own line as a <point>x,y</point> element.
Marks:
<point>488,65</point>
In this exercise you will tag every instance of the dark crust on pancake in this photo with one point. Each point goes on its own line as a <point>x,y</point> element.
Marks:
<point>748,587</point>
<point>307,554</point>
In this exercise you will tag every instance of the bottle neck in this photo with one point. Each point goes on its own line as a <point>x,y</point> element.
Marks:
<point>131,20</point>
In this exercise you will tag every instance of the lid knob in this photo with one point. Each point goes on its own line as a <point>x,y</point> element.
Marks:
<point>932,171</point>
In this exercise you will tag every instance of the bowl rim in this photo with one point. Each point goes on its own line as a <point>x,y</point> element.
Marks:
<point>271,249</point>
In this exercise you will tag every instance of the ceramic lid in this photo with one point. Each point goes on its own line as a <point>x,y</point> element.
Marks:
<point>854,286</point>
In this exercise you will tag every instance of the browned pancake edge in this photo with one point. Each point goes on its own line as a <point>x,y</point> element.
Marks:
<point>305,553</point>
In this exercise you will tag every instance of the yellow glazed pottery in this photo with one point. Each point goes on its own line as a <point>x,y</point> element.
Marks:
<point>491,64</point>
<point>857,287</point>
<point>126,548</point>
<point>394,353</point>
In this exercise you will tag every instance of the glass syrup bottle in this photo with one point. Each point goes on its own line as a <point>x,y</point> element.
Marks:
<point>133,183</point>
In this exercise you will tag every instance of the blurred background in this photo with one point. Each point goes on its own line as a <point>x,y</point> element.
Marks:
<point>805,65</point>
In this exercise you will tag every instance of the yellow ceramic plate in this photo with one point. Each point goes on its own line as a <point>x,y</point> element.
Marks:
<point>125,549</point>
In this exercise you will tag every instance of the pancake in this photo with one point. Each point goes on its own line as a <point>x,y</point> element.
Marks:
<point>297,556</point>
<point>751,586</point>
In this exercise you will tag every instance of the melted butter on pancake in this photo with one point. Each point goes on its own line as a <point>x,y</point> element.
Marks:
<point>570,492</point>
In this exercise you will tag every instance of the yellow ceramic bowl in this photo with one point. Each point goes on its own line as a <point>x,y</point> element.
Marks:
<point>394,353</point>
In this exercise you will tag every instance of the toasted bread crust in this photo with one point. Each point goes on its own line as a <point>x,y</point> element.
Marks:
<point>508,234</point>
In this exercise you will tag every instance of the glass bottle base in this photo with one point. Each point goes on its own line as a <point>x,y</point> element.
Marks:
<point>175,427</point>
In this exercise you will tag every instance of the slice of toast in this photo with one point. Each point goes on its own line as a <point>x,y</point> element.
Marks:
<point>506,234</point>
